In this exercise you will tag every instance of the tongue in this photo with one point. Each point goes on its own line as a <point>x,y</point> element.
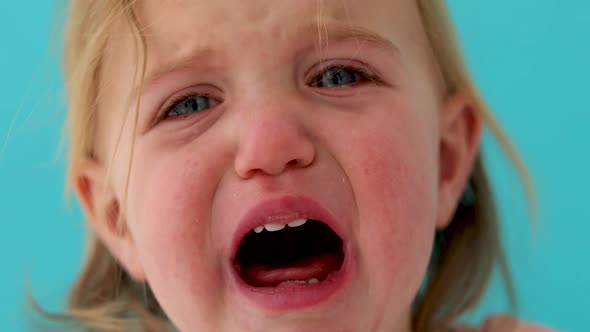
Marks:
<point>318,267</point>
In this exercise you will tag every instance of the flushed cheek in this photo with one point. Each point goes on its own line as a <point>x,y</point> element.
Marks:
<point>392,173</point>
<point>168,210</point>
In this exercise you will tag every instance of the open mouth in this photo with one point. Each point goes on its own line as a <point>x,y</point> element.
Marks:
<point>303,251</point>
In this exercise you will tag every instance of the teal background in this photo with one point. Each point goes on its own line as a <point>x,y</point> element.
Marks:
<point>530,58</point>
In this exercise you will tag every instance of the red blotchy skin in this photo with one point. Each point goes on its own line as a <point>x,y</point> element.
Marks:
<point>314,267</point>
<point>366,152</point>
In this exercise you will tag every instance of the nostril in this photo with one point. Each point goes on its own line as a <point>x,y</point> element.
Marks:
<point>302,163</point>
<point>251,172</point>
<point>272,160</point>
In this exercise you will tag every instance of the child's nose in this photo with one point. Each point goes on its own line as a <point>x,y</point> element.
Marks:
<point>271,142</point>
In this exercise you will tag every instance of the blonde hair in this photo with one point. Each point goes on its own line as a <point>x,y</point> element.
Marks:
<point>105,298</point>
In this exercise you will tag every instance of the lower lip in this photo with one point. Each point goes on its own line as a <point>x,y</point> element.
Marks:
<point>294,296</point>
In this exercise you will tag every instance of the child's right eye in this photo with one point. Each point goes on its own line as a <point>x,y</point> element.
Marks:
<point>187,104</point>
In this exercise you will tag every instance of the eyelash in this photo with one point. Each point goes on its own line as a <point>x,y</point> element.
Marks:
<point>362,73</point>
<point>175,102</point>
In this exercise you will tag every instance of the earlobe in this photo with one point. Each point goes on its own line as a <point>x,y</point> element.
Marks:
<point>460,131</point>
<point>102,209</point>
<point>97,199</point>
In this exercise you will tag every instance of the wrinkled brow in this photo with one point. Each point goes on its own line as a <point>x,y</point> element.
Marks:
<point>323,36</point>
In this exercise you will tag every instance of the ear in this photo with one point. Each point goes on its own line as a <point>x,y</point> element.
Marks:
<point>460,132</point>
<point>102,209</point>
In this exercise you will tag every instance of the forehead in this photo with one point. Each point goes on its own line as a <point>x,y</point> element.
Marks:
<point>175,30</point>
<point>212,19</point>
<point>211,35</point>
<point>202,36</point>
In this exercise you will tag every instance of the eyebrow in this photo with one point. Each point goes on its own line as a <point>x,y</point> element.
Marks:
<point>341,32</point>
<point>328,32</point>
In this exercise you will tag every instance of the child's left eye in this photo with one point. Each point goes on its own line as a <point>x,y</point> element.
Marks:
<point>339,76</point>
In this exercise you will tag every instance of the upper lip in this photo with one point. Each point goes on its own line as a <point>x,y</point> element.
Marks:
<point>282,209</point>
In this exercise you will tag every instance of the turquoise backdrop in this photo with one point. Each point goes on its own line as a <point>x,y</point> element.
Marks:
<point>530,58</point>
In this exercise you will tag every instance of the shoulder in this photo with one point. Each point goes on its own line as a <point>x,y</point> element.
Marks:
<point>511,324</point>
<point>505,324</point>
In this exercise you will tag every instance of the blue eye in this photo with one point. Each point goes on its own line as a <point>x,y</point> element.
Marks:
<point>337,76</point>
<point>186,105</point>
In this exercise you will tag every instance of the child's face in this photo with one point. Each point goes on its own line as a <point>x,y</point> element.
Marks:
<point>280,123</point>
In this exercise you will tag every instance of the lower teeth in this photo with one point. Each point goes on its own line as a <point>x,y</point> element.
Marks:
<point>310,281</point>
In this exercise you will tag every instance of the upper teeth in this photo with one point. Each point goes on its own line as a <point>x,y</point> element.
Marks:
<point>273,227</point>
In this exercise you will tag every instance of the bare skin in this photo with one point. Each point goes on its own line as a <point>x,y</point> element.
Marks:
<point>389,158</point>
